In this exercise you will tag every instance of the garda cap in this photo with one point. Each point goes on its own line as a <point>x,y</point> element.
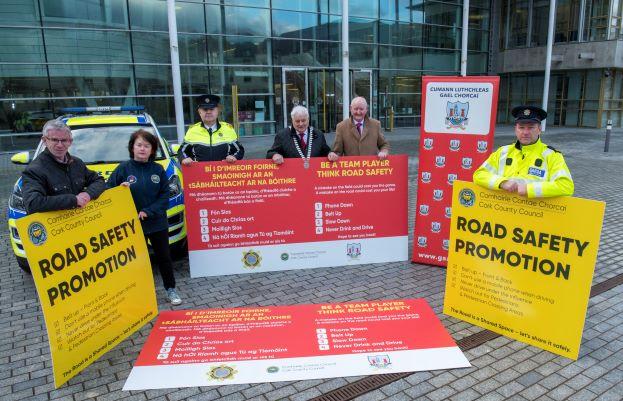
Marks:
<point>208,101</point>
<point>529,114</point>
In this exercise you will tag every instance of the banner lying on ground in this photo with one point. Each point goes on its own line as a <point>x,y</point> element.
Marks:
<point>523,267</point>
<point>93,276</point>
<point>458,122</point>
<point>302,342</point>
<point>256,216</point>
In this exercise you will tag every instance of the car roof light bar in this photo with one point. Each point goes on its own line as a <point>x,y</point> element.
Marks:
<point>101,109</point>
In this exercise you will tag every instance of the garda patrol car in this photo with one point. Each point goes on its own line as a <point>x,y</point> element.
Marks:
<point>101,141</point>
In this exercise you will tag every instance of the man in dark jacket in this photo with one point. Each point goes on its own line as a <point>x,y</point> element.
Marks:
<point>299,140</point>
<point>56,180</point>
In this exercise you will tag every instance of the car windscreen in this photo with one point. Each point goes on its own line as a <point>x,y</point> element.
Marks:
<point>105,144</point>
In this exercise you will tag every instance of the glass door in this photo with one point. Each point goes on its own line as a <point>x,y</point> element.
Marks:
<point>325,105</point>
<point>294,90</point>
<point>361,85</point>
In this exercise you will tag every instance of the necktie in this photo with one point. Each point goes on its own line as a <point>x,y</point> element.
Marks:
<point>359,128</point>
<point>303,143</point>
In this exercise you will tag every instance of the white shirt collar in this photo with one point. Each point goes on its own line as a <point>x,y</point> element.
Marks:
<point>213,127</point>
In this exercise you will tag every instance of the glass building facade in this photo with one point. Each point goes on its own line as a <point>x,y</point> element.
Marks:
<point>587,32</point>
<point>276,53</point>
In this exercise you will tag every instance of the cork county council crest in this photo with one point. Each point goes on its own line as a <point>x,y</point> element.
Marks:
<point>37,233</point>
<point>221,373</point>
<point>456,114</point>
<point>251,259</point>
<point>467,197</point>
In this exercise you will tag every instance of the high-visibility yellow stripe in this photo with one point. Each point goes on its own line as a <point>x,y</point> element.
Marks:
<point>103,119</point>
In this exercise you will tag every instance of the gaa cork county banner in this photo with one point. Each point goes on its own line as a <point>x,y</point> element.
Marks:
<point>456,136</point>
<point>212,347</point>
<point>255,216</point>
<point>523,267</point>
<point>92,272</point>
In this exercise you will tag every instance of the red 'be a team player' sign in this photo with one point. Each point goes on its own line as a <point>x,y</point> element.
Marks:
<point>210,347</point>
<point>456,136</point>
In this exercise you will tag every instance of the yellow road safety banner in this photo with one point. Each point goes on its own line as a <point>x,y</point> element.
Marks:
<point>93,276</point>
<point>522,267</point>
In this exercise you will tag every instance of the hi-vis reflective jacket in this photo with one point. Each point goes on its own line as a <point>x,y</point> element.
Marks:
<point>542,167</point>
<point>203,146</point>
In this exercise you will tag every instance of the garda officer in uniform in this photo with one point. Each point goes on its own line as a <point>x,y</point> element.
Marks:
<point>528,167</point>
<point>210,139</point>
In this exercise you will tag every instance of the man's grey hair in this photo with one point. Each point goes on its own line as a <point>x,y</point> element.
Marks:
<point>55,125</point>
<point>299,111</point>
<point>359,99</point>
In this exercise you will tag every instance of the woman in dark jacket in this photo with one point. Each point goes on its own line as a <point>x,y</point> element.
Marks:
<point>150,191</point>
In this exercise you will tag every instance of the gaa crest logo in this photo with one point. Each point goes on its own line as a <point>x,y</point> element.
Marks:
<point>424,209</point>
<point>448,212</point>
<point>467,197</point>
<point>435,226</point>
<point>426,177</point>
<point>222,373</point>
<point>455,145</point>
<point>353,251</point>
<point>445,244</point>
<point>379,361</point>
<point>466,163</point>
<point>481,147</point>
<point>452,178</point>
<point>456,114</point>
<point>421,241</point>
<point>428,143</point>
<point>440,161</point>
<point>438,194</point>
<point>37,233</point>
<point>155,178</point>
<point>251,259</point>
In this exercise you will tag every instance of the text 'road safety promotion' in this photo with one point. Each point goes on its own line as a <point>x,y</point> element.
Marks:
<point>523,267</point>
<point>93,276</point>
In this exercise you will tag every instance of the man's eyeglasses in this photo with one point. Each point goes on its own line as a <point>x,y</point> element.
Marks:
<point>64,141</point>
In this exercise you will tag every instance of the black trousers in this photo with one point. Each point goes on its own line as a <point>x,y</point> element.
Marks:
<point>160,244</point>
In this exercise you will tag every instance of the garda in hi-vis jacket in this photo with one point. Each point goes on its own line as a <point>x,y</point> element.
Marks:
<point>541,167</point>
<point>204,146</point>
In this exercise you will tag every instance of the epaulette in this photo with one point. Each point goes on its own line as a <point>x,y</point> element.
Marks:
<point>552,148</point>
